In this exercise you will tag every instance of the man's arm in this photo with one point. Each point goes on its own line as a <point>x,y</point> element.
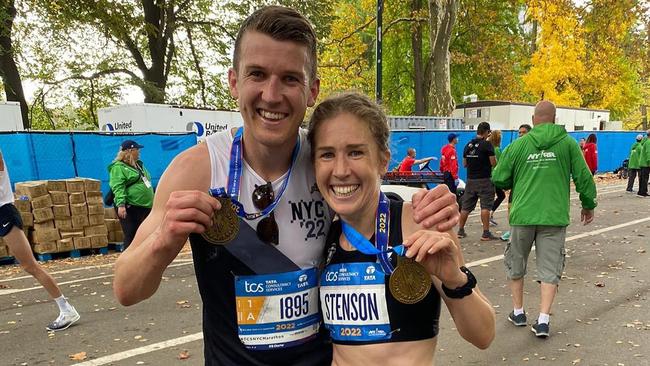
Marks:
<point>502,174</point>
<point>181,206</point>
<point>493,161</point>
<point>584,183</point>
<point>424,160</point>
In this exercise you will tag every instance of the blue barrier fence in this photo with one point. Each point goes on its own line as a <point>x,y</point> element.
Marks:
<point>60,155</point>
<point>613,146</point>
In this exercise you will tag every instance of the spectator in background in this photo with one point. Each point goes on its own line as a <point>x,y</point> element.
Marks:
<point>590,152</point>
<point>633,163</point>
<point>131,185</point>
<point>449,162</point>
<point>11,230</point>
<point>523,129</point>
<point>407,164</point>
<point>582,143</point>
<point>644,165</point>
<point>478,158</point>
<point>495,140</point>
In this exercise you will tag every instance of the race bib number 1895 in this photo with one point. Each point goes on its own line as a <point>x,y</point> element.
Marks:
<point>277,310</point>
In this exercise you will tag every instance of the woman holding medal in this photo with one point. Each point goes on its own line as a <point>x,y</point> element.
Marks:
<point>130,182</point>
<point>380,299</point>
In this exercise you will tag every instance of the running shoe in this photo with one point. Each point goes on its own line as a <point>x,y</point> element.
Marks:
<point>541,330</point>
<point>505,236</point>
<point>65,320</point>
<point>518,320</point>
<point>461,233</point>
<point>492,222</point>
<point>488,236</point>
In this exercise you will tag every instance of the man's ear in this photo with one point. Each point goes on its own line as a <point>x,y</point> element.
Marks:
<point>232,83</point>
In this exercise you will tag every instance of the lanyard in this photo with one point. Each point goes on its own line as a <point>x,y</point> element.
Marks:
<point>234,179</point>
<point>380,248</point>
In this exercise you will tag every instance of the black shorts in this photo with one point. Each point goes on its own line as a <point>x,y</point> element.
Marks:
<point>9,217</point>
<point>478,189</point>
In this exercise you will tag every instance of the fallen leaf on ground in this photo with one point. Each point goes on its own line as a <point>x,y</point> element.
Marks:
<point>184,355</point>
<point>78,356</point>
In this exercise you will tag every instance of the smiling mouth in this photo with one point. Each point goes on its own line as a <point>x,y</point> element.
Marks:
<point>271,116</point>
<point>345,191</point>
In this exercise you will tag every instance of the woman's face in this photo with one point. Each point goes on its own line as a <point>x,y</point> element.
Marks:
<point>349,165</point>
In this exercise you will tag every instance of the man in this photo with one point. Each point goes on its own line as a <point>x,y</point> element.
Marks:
<point>478,158</point>
<point>644,166</point>
<point>256,277</point>
<point>407,164</point>
<point>449,162</point>
<point>633,163</point>
<point>538,168</point>
<point>11,231</point>
<point>523,129</point>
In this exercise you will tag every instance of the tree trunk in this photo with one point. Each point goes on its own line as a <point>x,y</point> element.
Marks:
<point>442,16</point>
<point>418,68</point>
<point>159,20</point>
<point>533,38</point>
<point>10,75</point>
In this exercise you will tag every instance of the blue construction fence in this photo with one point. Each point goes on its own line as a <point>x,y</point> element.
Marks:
<point>59,155</point>
<point>613,146</point>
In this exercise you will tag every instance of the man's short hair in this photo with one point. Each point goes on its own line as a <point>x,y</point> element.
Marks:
<point>482,128</point>
<point>526,126</point>
<point>282,24</point>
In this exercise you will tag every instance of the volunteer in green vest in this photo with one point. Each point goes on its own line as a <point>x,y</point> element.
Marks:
<point>644,166</point>
<point>538,168</point>
<point>131,184</point>
<point>633,163</point>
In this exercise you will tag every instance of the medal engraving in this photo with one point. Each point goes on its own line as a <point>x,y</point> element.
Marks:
<point>225,224</point>
<point>410,282</point>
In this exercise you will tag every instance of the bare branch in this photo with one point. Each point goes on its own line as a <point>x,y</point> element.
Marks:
<point>195,57</point>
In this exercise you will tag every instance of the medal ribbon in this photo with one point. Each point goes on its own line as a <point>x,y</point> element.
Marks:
<point>234,179</point>
<point>380,248</point>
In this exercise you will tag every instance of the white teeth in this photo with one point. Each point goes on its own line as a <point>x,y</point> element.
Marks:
<point>271,115</point>
<point>344,190</point>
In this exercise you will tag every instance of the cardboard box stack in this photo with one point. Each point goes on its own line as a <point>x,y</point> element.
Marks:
<point>63,214</point>
<point>115,233</point>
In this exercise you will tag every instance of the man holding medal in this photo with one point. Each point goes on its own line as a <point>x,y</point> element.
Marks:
<point>248,202</point>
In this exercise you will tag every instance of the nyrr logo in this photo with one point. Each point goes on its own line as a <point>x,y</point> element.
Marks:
<point>253,287</point>
<point>331,276</point>
<point>540,155</point>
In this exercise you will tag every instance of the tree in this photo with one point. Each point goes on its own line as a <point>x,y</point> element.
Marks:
<point>13,85</point>
<point>442,16</point>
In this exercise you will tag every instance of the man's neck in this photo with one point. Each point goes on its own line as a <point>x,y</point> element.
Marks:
<point>269,162</point>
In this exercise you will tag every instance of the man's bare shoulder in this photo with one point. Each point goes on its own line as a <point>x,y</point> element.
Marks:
<point>190,169</point>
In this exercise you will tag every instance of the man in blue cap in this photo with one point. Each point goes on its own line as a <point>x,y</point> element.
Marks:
<point>449,162</point>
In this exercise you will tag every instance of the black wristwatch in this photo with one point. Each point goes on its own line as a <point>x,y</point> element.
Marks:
<point>464,290</point>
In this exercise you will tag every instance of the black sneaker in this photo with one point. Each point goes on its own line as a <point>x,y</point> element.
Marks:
<point>541,330</point>
<point>488,236</point>
<point>518,320</point>
<point>461,233</point>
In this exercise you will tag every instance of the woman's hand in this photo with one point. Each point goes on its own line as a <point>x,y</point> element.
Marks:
<point>439,254</point>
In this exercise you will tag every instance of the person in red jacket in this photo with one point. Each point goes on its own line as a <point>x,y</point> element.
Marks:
<point>590,152</point>
<point>449,162</point>
<point>407,164</point>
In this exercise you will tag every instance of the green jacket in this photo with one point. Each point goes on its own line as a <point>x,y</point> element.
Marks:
<point>497,153</point>
<point>635,153</point>
<point>137,194</point>
<point>538,168</point>
<point>644,153</point>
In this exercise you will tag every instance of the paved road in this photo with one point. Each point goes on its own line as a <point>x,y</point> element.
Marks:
<point>601,315</point>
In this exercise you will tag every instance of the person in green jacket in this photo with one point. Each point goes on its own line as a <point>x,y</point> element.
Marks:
<point>644,166</point>
<point>633,163</point>
<point>538,168</point>
<point>131,184</point>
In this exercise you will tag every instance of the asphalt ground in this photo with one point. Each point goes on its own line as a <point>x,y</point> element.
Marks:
<point>600,316</point>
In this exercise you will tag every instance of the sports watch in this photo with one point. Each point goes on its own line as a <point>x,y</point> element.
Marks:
<point>464,290</point>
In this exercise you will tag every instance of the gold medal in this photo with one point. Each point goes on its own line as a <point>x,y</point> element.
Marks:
<point>225,224</point>
<point>410,282</point>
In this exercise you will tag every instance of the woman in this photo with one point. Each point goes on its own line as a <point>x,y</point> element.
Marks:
<point>380,310</point>
<point>633,165</point>
<point>495,140</point>
<point>590,152</point>
<point>130,182</point>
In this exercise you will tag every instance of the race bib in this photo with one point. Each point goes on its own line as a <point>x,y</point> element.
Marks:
<point>277,310</point>
<point>353,302</point>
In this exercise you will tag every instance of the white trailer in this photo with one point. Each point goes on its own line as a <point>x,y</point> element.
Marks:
<point>10,117</point>
<point>145,117</point>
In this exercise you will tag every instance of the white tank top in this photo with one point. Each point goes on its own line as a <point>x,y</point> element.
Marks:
<point>302,214</point>
<point>6,194</point>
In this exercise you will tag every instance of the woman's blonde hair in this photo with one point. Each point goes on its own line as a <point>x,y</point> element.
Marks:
<point>126,156</point>
<point>495,138</point>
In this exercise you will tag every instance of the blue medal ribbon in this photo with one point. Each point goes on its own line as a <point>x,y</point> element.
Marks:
<point>380,248</point>
<point>234,179</point>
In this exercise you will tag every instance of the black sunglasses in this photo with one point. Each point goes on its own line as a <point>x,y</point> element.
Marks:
<point>267,228</point>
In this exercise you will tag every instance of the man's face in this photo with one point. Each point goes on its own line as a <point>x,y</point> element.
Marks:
<point>522,131</point>
<point>272,88</point>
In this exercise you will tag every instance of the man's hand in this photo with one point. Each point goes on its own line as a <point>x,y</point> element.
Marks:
<point>186,212</point>
<point>586,216</point>
<point>436,207</point>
